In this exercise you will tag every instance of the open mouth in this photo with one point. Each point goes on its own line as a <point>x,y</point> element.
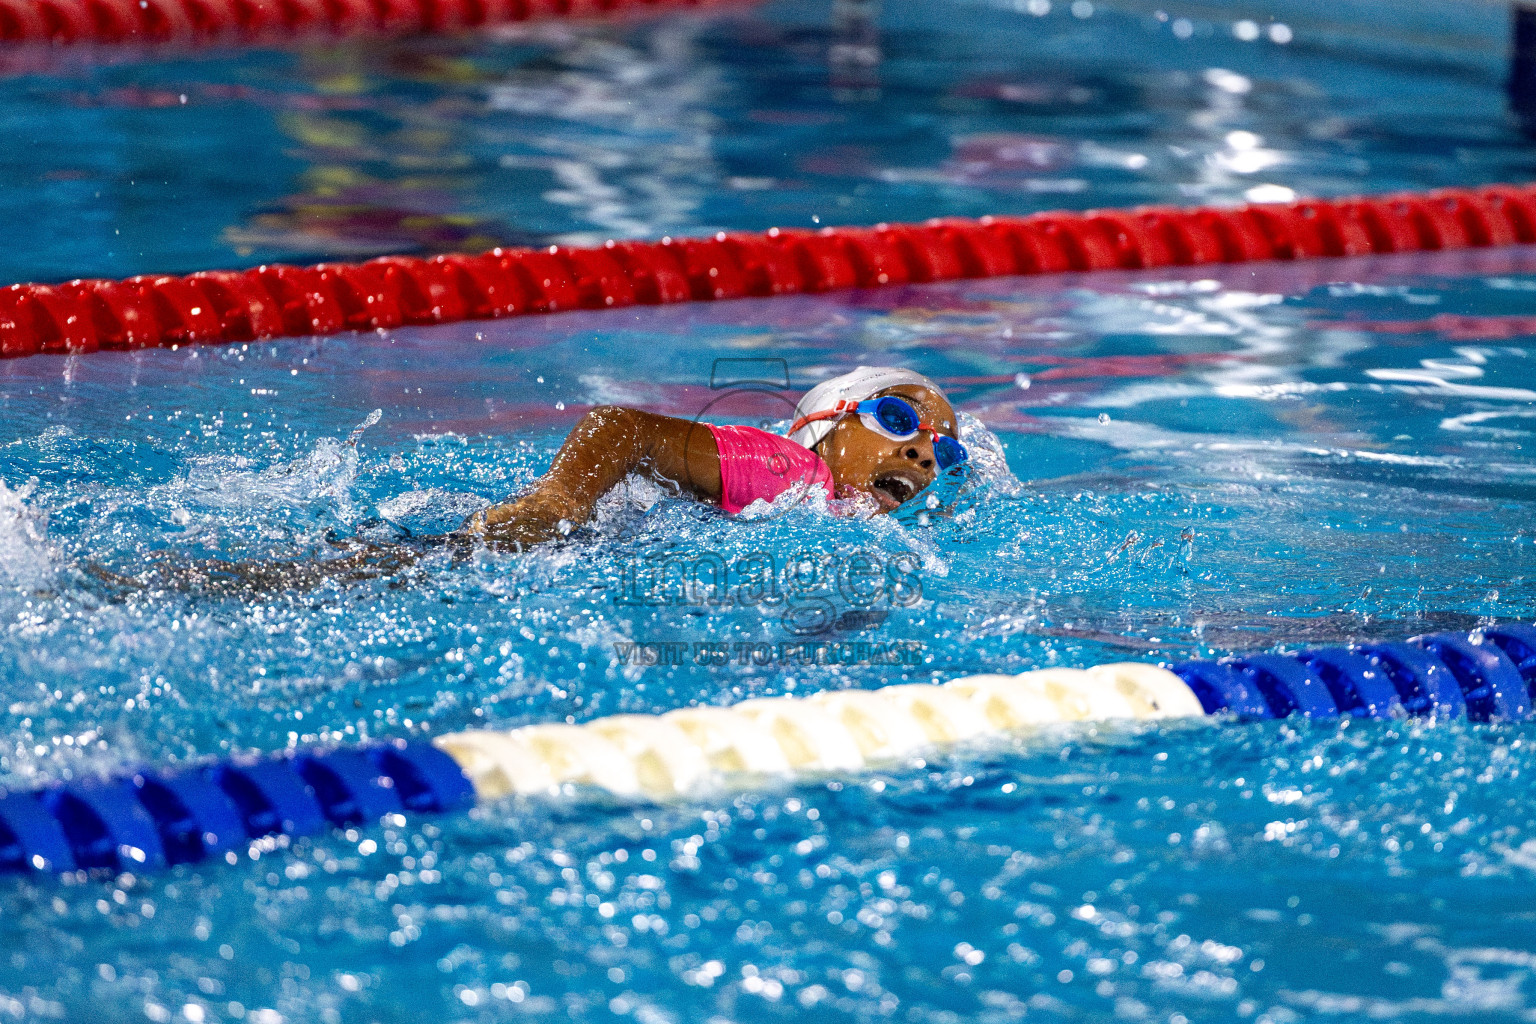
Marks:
<point>893,489</point>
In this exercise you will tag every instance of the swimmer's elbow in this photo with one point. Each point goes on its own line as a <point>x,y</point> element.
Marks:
<point>609,416</point>
<point>616,429</point>
<point>625,438</point>
<point>607,423</point>
<point>607,443</point>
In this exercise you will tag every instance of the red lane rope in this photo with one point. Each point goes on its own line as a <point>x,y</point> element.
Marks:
<point>287,301</point>
<point>119,21</point>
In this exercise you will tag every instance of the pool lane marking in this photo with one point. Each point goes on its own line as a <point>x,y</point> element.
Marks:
<point>682,752</point>
<point>109,22</point>
<point>276,300</point>
<point>181,814</point>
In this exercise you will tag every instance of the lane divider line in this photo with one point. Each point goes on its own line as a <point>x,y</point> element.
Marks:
<point>277,300</point>
<point>109,22</point>
<point>158,818</point>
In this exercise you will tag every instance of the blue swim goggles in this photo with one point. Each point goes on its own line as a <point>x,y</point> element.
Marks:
<point>894,418</point>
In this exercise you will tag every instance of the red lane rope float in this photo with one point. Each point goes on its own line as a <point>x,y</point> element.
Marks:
<point>118,21</point>
<point>287,301</point>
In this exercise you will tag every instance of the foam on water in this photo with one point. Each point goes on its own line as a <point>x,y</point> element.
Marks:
<point>24,561</point>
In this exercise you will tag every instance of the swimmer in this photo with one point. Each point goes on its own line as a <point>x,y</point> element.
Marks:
<point>879,432</point>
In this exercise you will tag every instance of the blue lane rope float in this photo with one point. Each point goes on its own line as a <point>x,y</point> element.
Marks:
<point>162,817</point>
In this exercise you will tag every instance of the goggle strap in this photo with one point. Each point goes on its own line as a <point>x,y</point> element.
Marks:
<point>816,417</point>
<point>846,406</point>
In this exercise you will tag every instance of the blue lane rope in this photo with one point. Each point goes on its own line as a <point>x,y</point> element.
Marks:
<point>159,818</point>
<point>1443,674</point>
<point>162,817</point>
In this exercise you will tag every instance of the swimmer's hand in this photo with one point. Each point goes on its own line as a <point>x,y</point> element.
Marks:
<point>532,519</point>
<point>608,444</point>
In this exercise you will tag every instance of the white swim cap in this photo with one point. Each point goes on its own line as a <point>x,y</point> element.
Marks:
<point>864,382</point>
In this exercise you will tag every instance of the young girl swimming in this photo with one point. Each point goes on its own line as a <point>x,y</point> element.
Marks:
<point>878,435</point>
<point>879,432</point>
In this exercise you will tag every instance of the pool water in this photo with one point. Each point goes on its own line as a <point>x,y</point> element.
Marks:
<point>682,125</point>
<point>1170,464</point>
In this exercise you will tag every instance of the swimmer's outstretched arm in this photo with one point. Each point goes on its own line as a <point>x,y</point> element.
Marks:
<point>607,445</point>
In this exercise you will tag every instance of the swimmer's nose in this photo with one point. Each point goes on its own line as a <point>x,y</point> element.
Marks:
<point>917,456</point>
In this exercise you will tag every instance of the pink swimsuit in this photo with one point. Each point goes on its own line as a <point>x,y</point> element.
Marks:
<point>756,464</point>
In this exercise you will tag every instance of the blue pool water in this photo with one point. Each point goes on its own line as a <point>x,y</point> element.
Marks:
<point>1197,462</point>
<point>682,125</point>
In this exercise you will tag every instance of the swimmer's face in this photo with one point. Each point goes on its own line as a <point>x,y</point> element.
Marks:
<point>889,471</point>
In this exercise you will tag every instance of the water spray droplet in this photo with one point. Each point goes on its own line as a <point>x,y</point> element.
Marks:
<point>357,432</point>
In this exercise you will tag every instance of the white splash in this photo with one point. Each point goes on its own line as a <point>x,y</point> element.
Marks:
<point>24,559</point>
<point>989,463</point>
<point>328,470</point>
<point>433,510</point>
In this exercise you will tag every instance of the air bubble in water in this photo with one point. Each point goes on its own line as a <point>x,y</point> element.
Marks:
<point>933,501</point>
<point>1103,417</point>
<point>1023,381</point>
<point>559,406</point>
<point>541,380</point>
